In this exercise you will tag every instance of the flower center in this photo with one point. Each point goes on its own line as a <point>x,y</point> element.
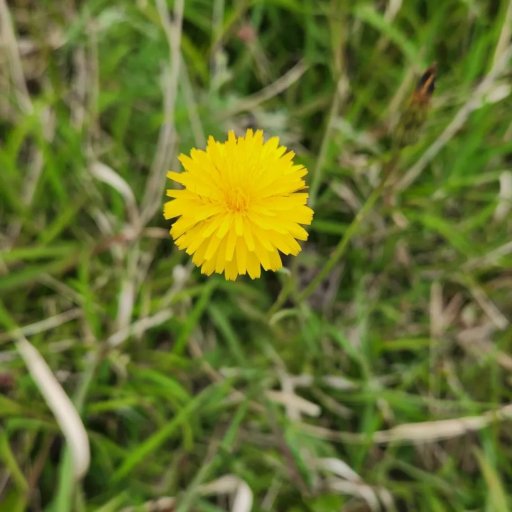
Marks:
<point>237,200</point>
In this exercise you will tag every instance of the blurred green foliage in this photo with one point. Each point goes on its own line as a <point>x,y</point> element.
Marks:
<point>192,381</point>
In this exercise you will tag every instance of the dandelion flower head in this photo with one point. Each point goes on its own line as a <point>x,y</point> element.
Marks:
<point>241,205</point>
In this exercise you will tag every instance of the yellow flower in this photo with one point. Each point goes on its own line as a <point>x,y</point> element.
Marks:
<point>242,203</point>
